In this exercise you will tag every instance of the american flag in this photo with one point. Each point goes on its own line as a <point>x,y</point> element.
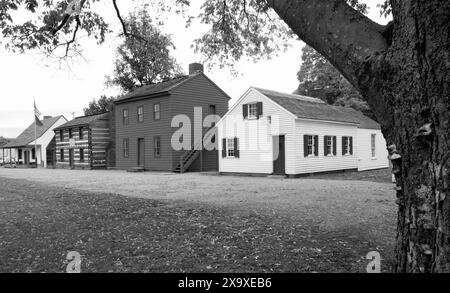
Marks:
<point>36,115</point>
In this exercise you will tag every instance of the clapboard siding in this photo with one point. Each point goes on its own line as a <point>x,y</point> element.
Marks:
<point>324,163</point>
<point>198,92</point>
<point>147,130</point>
<point>255,137</point>
<point>366,161</point>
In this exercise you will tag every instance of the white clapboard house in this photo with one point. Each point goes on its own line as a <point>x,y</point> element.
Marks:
<point>268,132</point>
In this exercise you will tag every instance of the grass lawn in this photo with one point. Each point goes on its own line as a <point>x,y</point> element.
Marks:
<point>40,224</point>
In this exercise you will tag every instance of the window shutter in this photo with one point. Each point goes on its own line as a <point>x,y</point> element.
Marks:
<point>334,145</point>
<point>236,147</point>
<point>316,145</point>
<point>351,145</point>
<point>343,145</point>
<point>224,148</point>
<point>259,107</point>
<point>245,110</point>
<point>325,146</point>
<point>305,145</point>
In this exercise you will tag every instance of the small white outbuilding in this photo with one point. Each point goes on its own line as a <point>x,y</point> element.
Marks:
<point>268,132</point>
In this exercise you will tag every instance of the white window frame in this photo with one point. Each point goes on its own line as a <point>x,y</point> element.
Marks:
<point>157,111</point>
<point>373,145</point>
<point>330,146</point>
<point>140,114</point>
<point>252,111</point>
<point>230,148</point>
<point>346,142</point>
<point>311,145</point>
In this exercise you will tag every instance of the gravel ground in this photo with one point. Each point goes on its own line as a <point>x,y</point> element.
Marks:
<point>363,206</point>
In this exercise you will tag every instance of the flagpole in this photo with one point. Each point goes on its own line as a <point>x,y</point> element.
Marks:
<point>35,137</point>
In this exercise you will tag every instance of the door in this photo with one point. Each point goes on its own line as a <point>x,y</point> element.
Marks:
<point>26,157</point>
<point>279,156</point>
<point>71,163</point>
<point>141,152</point>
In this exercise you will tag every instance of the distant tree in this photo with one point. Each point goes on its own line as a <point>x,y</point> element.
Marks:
<point>3,141</point>
<point>319,79</point>
<point>144,57</point>
<point>102,105</point>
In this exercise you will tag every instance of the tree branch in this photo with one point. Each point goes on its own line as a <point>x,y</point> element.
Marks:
<point>341,34</point>
<point>124,27</point>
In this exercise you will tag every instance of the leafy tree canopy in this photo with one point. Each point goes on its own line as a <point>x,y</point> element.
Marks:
<point>143,58</point>
<point>102,105</point>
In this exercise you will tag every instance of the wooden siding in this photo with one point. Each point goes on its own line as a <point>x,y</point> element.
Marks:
<point>366,162</point>
<point>322,163</point>
<point>256,153</point>
<point>198,92</point>
<point>147,130</point>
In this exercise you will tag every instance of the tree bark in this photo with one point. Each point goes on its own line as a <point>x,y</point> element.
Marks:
<point>403,74</point>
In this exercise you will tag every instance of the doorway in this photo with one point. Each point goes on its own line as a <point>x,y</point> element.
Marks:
<point>141,153</point>
<point>279,155</point>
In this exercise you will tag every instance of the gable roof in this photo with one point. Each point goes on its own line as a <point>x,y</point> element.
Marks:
<point>311,108</point>
<point>84,120</point>
<point>27,136</point>
<point>155,89</point>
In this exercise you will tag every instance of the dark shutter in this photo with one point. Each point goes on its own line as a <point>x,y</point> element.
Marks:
<point>259,107</point>
<point>351,145</point>
<point>325,146</point>
<point>316,145</point>
<point>236,147</point>
<point>245,110</point>
<point>343,144</point>
<point>335,145</point>
<point>305,145</point>
<point>224,148</point>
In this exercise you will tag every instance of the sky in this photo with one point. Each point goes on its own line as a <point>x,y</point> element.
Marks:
<point>61,89</point>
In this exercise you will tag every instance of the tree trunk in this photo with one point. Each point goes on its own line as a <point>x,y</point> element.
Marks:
<point>404,76</point>
<point>414,110</point>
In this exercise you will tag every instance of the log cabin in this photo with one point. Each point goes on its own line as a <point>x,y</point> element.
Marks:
<point>272,133</point>
<point>84,142</point>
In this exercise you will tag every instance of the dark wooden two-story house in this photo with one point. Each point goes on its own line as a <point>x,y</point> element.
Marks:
<point>144,120</point>
<point>85,142</point>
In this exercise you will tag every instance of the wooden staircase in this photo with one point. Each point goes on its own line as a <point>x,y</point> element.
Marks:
<point>189,157</point>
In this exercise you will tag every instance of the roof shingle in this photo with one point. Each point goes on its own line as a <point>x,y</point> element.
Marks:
<point>85,120</point>
<point>28,136</point>
<point>316,109</point>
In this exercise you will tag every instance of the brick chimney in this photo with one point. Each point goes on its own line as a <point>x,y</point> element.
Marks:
<point>195,67</point>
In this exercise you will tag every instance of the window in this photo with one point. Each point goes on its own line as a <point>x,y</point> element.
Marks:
<point>230,148</point>
<point>212,110</point>
<point>70,133</point>
<point>311,145</point>
<point>329,145</point>
<point>157,111</point>
<point>252,111</point>
<point>126,147</point>
<point>61,155</point>
<point>157,146</point>
<point>126,117</point>
<point>61,135</point>
<point>20,154</point>
<point>140,114</point>
<point>80,133</point>
<point>33,153</point>
<point>81,155</point>
<point>347,145</point>
<point>373,145</point>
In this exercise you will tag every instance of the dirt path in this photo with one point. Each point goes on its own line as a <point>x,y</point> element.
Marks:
<point>350,206</point>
